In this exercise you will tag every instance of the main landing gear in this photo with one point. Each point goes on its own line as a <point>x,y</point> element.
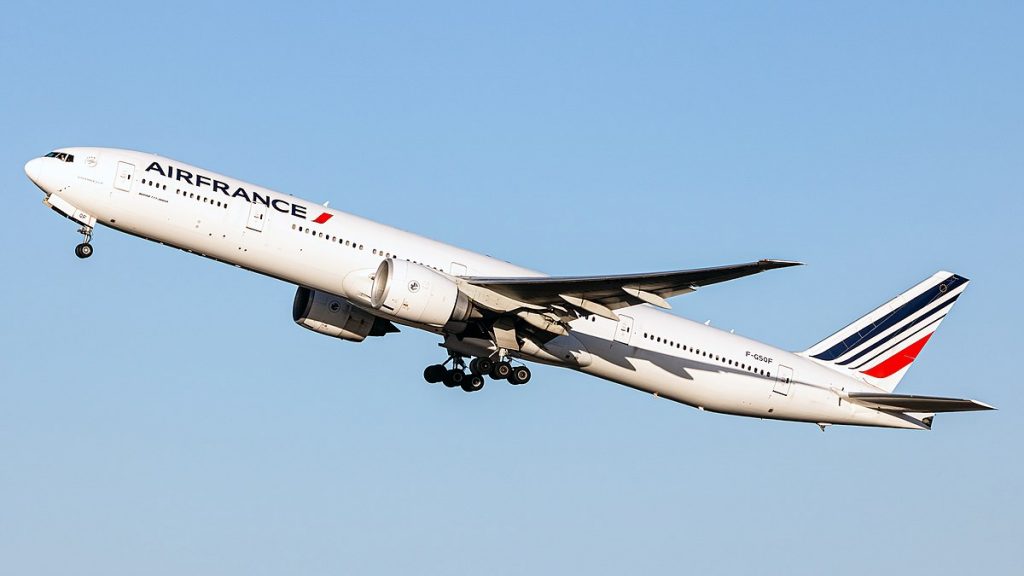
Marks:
<point>456,376</point>
<point>84,250</point>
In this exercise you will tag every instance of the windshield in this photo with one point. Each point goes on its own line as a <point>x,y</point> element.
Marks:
<point>62,156</point>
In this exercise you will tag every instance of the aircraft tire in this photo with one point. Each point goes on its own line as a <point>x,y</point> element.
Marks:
<point>519,375</point>
<point>473,383</point>
<point>434,373</point>
<point>454,378</point>
<point>501,370</point>
<point>481,366</point>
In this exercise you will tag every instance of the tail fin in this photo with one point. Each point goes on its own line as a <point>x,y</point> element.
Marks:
<point>880,347</point>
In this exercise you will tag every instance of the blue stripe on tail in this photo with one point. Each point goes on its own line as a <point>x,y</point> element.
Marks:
<point>926,316</point>
<point>888,321</point>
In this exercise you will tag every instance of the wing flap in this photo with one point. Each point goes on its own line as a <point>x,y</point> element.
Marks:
<point>913,403</point>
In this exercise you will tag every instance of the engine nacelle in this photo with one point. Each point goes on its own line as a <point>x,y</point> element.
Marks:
<point>334,316</point>
<point>418,294</point>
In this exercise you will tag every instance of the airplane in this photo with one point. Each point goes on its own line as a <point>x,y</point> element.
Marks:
<point>357,279</point>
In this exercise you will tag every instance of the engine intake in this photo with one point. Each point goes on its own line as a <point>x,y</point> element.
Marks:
<point>334,316</point>
<point>418,294</point>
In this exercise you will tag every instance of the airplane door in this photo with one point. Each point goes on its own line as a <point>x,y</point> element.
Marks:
<point>257,216</point>
<point>624,329</point>
<point>123,178</point>
<point>783,381</point>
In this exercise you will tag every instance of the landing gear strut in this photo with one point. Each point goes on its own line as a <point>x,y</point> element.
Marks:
<point>84,250</point>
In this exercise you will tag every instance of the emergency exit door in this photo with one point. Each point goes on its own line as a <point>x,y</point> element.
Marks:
<point>123,177</point>
<point>624,330</point>
<point>783,381</point>
<point>257,216</point>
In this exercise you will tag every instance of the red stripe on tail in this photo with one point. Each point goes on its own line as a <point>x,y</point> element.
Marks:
<point>898,361</point>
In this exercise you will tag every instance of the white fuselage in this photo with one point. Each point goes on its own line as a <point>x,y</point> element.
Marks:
<point>279,235</point>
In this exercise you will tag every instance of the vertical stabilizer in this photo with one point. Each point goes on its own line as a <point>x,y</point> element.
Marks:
<point>880,347</point>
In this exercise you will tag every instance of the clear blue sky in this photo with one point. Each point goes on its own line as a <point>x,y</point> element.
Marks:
<point>160,414</point>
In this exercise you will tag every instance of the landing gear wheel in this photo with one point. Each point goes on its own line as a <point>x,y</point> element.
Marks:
<point>519,375</point>
<point>473,383</point>
<point>83,250</point>
<point>453,378</point>
<point>501,370</point>
<point>434,373</point>
<point>481,366</point>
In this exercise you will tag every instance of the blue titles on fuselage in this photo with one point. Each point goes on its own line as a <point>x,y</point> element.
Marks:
<point>199,180</point>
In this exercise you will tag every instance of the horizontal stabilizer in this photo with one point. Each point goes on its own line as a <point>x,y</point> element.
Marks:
<point>912,403</point>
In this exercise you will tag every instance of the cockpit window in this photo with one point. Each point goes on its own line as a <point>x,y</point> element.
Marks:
<point>62,156</point>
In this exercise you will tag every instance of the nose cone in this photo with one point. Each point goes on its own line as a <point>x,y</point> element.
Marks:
<point>33,169</point>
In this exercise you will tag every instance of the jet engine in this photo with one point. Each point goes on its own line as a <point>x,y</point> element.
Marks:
<point>334,316</point>
<point>418,294</point>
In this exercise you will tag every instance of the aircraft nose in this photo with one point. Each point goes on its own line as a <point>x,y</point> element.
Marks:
<point>33,168</point>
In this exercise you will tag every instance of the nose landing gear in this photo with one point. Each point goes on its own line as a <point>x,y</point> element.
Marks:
<point>84,250</point>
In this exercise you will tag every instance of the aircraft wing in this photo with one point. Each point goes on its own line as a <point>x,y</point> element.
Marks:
<point>912,403</point>
<point>602,294</point>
